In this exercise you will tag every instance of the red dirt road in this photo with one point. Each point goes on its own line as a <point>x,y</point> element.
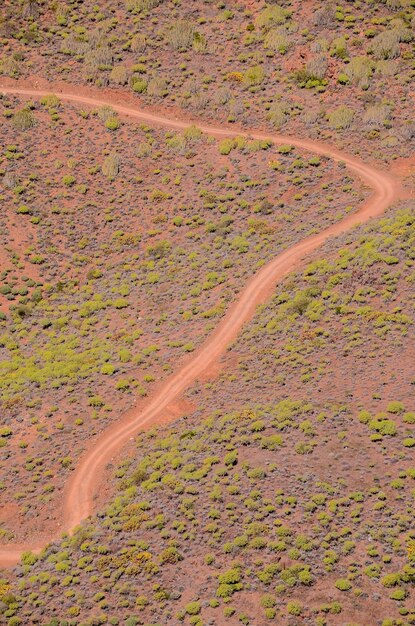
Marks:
<point>86,480</point>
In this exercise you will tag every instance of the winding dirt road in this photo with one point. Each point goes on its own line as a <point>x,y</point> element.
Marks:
<point>85,482</point>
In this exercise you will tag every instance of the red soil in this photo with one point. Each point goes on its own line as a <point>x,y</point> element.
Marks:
<point>86,481</point>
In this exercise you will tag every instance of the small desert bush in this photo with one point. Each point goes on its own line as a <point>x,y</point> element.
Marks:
<point>316,68</point>
<point>51,101</point>
<point>10,67</point>
<point>387,68</point>
<point>30,9</point>
<point>359,71</point>
<point>61,14</point>
<point>277,115</point>
<point>313,73</point>
<point>144,149</point>
<point>272,15</point>
<point>136,6</point>
<point>324,16</point>
<point>111,165</point>
<point>199,43</point>
<point>311,116</point>
<point>98,58</point>
<point>386,45</point>
<point>376,116</point>
<point>119,75</point>
<point>157,87</point>
<point>180,35</point>
<point>254,75</point>
<point>339,48</point>
<point>23,119</point>
<point>105,112</point>
<point>138,43</point>
<point>73,45</point>
<point>341,118</point>
<point>277,39</point>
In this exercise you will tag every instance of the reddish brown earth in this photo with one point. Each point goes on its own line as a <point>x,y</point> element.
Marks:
<point>328,192</point>
<point>163,406</point>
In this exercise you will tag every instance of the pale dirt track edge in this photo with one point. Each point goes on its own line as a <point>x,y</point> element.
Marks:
<point>85,481</point>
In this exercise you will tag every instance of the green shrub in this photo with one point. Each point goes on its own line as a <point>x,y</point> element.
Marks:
<point>111,165</point>
<point>229,583</point>
<point>272,15</point>
<point>343,584</point>
<point>231,458</point>
<point>277,39</point>
<point>119,75</point>
<point>391,580</point>
<point>385,45</point>
<point>9,66</point>
<point>226,146</point>
<point>384,427</point>
<point>180,35</point>
<point>277,115</point>
<point>268,601</point>
<point>193,608</point>
<point>108,369</point>
<point>139,85</point>
<point>170,555</point>
<point>157,87</point>
<point>273,442</point>
<point>364,417</point>
<point>339,48</point>
<point>121,303</point>
<point>395,407</point>
<point>398,594</point>
<point>341,118</point>
<point>112,123</point>
<point>68,180</point>
<point>230,577</point>
<point>254,75</point>
<point>50,101</point>
<point>136,6</point>
<point>294,608</point>
<point>359,71</point>
<point>375,116</point>
<point>343,78</point>
<point>23,119</point>
<point>23,209</point>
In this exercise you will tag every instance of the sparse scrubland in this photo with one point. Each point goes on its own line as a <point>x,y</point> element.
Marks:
<point>260,505</point>
<point>284,492</point>
<point>342,70</point>
<point>133,268</point>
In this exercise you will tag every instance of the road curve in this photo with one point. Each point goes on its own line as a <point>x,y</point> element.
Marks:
<point>85,482</point>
